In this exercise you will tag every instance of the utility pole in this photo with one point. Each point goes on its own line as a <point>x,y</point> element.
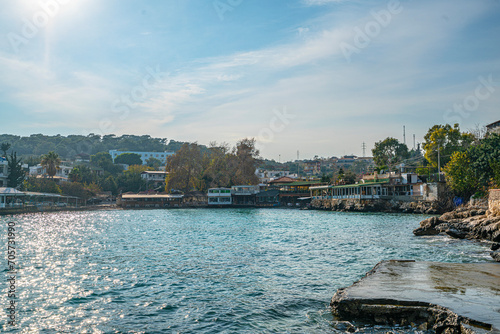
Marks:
<point>298,164</point>
<point>404,134</point>
<point>414,142</point>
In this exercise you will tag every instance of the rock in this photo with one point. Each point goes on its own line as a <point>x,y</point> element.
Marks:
<point>428,227</point>
<point>454,233</point>
<point>495,255</point>
<point>495,247</point>
<point>496,236</point>
<point>429,295</point>
<point>345,326</point>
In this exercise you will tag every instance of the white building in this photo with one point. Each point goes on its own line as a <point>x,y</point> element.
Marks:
<point>10,197</point>
<point>62,171</point>
<point>162,156</point>
<point>219,196</point>
<point>154,176</point>
<point>4,172</point>
<point>268,175</point>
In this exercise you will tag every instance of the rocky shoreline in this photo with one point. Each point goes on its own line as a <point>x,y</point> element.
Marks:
<point>477,221</point>
<point>405,293</point>
<point>355,205</point>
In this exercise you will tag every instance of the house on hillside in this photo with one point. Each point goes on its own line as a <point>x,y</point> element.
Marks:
<point>157,178</point>
<point>312,167</point>
<point>265,175</point>
<point>62,172</point>
<point>162,156</point>
<point>82,157</point>
<point>494,127</point>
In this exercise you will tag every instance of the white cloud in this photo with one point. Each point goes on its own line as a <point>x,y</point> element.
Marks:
<point>321,2</point>
<point>338,104</point>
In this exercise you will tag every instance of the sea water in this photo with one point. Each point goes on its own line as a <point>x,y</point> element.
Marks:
<point>201,270</point>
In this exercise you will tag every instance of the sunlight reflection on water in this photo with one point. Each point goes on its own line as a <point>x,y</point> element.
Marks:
<point>235,270</point>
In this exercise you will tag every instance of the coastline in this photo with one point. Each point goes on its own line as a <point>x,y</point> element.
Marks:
<point>393,206</point>
<point>441,297</point>
<point>475,222</point>
<point>32,209</point>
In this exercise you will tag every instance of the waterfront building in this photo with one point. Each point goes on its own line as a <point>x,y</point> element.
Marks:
<point>162,156</point>
<point>149,200</point>
<point>293,193</point>
<point>219,196</point>
<point>244,195</point>
<point>12,198</point>
<point>268,198</point>
<point>390,186</point>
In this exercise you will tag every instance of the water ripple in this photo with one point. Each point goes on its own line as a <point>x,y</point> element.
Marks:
<point>204,271</point>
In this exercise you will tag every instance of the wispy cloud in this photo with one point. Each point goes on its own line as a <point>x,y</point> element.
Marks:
<point>408,73</point>
<point>321,2</point>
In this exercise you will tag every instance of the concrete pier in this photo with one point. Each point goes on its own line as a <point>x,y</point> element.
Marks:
<point>444,297</point>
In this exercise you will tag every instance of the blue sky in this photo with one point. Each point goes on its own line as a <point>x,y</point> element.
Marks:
<point>318,76</point>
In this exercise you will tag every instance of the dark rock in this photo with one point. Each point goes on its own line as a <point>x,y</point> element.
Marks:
<point>427,227</point>
<point>345,326</point>
<point>495,247</point>
<point>495,255</point>
<point>425,231</point>
<point>454,233</point>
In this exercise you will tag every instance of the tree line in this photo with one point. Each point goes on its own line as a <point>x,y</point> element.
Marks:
<point>67,147</point>
<point>193,167</point>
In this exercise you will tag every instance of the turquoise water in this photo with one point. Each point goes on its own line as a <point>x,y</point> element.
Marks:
<point>203,270</point>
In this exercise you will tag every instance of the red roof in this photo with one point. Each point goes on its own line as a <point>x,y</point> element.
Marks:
<point>283,179</point>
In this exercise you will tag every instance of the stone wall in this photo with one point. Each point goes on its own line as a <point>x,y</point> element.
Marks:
<point>494,202</point>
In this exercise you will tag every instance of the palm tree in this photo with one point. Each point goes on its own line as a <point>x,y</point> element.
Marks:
<point>51,163</point>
